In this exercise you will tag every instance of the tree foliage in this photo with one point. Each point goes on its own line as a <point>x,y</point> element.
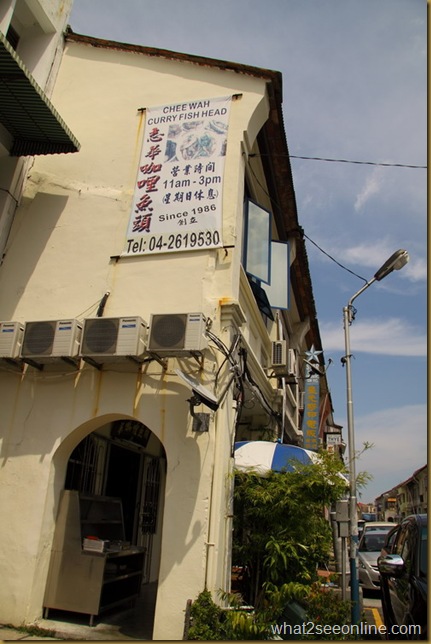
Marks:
<point>281,533</point>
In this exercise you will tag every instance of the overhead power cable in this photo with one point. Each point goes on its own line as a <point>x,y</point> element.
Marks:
<point>334,260</point>
<point>386,165</point>
<point>306,236</point>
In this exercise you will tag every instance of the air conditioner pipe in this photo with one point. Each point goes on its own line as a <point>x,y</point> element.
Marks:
<point>102,304</point>
<point>283,382</point>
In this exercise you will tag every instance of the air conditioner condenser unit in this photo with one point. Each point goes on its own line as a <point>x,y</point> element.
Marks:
<point>292,363</point>
<point>283,360</point>
<point>279,353</point>
<point>50,341</point>
<point>177,334</point>
<point>113,339</point>
<point>11,334</point>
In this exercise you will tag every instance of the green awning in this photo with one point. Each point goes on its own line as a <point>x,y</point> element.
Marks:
<point>26,112</point>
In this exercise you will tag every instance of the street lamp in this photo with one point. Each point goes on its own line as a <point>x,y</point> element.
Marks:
<point>395,262</point>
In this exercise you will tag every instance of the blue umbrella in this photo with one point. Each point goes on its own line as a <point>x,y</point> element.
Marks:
<point>264,456</point>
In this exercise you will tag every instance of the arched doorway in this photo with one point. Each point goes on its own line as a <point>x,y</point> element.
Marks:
<point>121,460</point>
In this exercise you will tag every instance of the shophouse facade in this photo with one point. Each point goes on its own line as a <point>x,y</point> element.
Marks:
<point>157,288</point>
<point>408,497</point>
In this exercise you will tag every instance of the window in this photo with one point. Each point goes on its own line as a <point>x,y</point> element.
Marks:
<point>257,242</point>
<point>265,261</point>
<point>84,464</point>
<point>278,290</point>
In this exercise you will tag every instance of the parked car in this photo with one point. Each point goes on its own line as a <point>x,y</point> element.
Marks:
<point>404,579</point>
<point>383,526</point>
<point>369,516</point>
<point>361,524</point>
<point>369,548</point>
<point>389,541</point>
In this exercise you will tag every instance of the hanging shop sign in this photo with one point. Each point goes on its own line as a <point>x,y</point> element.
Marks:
<point>310,421</point>
<point>311,417</point>
<point>177,202</point>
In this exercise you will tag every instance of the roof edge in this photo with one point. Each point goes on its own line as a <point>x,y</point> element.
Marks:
<point>272,76</point>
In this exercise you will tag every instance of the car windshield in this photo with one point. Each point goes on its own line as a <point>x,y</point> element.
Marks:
<point>368,516</point>
<point>372,542</point>
<point>423,560</point>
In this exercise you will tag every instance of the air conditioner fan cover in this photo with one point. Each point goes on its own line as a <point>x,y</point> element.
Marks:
<point>38,338</point>
<point>101,336</point>
<point>168,331</point>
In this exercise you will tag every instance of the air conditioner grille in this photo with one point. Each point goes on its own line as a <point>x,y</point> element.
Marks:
<point>101,336</point>
<point>277,353</point>
<point>168,331</point>
<point>279,358</point>
<point>39,338</point>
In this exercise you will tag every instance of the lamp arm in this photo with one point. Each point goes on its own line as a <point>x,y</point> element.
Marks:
<point>361,290</point>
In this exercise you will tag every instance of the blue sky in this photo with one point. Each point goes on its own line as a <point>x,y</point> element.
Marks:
<point>354,88</point>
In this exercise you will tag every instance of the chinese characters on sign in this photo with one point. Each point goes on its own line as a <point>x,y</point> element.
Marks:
<point>310,421</point>
<point>177,202</point>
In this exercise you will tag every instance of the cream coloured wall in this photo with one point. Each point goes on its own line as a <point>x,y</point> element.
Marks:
<point>58,264</point>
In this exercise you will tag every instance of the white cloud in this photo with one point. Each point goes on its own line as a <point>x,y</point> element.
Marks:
<point>372,187</point>
<point>392,337</point>
<point>416,270</point>
<point>399,438</point>
<point>367,254</point>
<point>371,255</point>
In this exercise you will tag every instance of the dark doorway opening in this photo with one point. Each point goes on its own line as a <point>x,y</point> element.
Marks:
<point>122,480</point>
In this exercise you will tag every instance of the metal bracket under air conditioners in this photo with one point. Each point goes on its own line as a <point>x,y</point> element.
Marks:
<point>99,365</point>
<point>41,367</point>
<point>163,362</point>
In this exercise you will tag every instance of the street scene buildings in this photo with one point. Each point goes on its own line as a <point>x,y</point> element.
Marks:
<point>156,311</point>
<point>156,307</point>
<point>408,497</point>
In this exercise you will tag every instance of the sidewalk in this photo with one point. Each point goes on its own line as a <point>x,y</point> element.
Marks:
<point>8,634</point>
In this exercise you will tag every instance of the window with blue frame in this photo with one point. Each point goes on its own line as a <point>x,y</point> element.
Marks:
<point>265,261</point>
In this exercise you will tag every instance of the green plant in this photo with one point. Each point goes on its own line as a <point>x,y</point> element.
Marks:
<point>205,619</point>
<point>32,629</point>
<point>280,531</point>
<point>210,622</point>
<point>319,606</point>
<point>324,607</point>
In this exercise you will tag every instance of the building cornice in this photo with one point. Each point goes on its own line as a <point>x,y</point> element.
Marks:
<point>271,76</point>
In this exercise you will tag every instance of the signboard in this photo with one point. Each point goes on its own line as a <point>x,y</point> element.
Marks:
<point>177,202</point>
<point>333,439</point>
<point>310,421</point>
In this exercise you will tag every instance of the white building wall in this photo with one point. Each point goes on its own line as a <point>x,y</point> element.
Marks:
<point>72,220</point>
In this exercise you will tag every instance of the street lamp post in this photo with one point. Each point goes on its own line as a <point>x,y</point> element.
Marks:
<point>395,262</point>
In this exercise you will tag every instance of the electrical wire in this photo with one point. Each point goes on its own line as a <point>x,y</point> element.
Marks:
<point>228,354</point>
<point>334,260</point>
<point>309,238</point>
<point>375,163</point>
<point>256,389</point>
<point>386,165</point>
